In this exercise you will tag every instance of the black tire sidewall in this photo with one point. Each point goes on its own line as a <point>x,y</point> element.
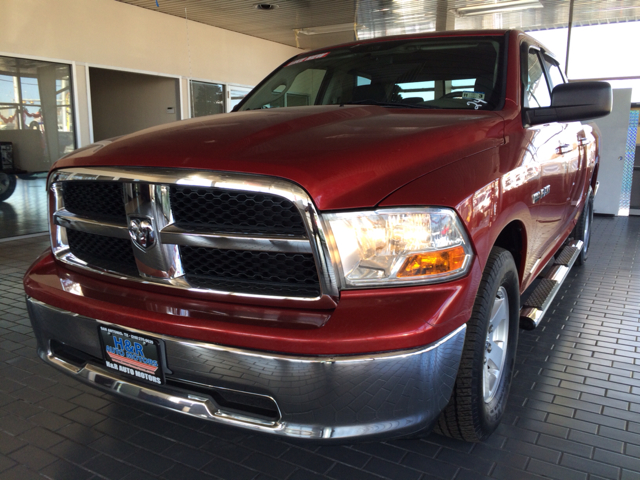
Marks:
<point>490,414</point>
<point>587,214</point>
<point>12,186</point>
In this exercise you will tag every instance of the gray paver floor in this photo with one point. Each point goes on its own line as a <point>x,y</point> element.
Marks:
<point>574,410</point>
<point>25,211</point>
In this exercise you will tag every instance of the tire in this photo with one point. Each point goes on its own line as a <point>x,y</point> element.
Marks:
<point>7,185</point>
<point>582,230</point>
<point>480,393</point>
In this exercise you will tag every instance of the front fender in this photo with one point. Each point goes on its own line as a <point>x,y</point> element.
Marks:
<point>486,199</point>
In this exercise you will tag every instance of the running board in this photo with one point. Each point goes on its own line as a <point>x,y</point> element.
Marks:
<point>535,307</point>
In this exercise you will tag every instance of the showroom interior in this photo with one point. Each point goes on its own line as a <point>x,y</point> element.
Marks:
<point>76,72</point>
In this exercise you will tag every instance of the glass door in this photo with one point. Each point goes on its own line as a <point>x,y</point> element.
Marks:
<point>37,127</point>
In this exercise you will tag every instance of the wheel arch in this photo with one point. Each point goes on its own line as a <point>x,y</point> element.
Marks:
<point>513,238</point>
<point>594,176</point>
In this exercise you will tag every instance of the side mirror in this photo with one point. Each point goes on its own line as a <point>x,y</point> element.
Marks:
<point>571,102</point>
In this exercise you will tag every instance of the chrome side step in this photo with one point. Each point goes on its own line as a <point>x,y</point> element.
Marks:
<point>535,307</point>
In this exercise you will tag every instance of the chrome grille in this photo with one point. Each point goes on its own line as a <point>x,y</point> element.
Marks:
<point>226,233</point>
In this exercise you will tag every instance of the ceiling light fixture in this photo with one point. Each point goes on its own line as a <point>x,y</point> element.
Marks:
<point>265,6</point>
<point>501,7</point>
<point>342,27</point>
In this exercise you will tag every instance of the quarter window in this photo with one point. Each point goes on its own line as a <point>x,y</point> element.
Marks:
<point>555,76</point>
<point>537,92</point>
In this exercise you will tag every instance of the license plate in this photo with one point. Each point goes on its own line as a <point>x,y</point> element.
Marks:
<point>131,354</point>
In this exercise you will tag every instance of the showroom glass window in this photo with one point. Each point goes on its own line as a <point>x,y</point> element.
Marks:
<point>36,111</point>
<point>206,98</point>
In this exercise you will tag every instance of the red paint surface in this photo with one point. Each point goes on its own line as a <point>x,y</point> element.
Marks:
<point>364,321</point>
<point>345,157</point>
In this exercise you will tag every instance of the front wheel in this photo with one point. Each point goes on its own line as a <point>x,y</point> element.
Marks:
<point>480,393</point>
<point>7,185</point>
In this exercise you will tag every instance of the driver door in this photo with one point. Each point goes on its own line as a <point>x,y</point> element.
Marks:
<point>553,149</point>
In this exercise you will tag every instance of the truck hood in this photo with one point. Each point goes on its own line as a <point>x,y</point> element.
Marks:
<point>345,157</point>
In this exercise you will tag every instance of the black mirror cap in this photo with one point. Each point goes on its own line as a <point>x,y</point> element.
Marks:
<point>572,102</point>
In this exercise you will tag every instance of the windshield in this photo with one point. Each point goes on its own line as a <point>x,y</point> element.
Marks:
<point>461,73</point>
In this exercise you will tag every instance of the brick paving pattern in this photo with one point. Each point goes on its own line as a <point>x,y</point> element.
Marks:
<point>25,211</point>
<point>574,410</point>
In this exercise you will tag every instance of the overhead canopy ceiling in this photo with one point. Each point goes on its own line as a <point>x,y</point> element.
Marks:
<point>312,24</point>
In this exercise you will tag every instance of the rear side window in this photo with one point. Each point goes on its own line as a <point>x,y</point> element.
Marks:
<point>418,91</point>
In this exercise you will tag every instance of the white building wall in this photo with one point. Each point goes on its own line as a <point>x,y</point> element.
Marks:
<point>110,34</point>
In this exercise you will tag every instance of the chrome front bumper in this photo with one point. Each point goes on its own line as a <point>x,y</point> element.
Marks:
<point>316,397</point>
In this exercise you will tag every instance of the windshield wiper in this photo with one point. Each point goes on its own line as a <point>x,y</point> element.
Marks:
<point>386,104</point>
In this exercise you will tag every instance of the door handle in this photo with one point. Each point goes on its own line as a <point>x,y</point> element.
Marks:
<point>564,148</point>
<point>583,141</point>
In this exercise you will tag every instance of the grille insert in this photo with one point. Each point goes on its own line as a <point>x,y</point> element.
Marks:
<point>98,200</point>
<point>109,253</point>
<point>229,211</point>
<point>252,272</point>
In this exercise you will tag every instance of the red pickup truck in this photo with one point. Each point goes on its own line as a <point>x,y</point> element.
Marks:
<point>343,256</point>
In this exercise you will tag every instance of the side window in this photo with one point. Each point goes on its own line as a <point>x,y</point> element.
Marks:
<point>555,76</point>
<point>537,91</point>
<point>466,85</point>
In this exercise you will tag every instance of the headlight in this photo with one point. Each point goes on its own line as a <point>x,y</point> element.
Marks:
<point>398,246</point>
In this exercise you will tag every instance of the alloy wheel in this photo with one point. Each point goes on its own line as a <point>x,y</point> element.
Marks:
<point>496,345</point>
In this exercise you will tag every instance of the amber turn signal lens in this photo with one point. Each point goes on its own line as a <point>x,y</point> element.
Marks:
<point>433,263</point>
